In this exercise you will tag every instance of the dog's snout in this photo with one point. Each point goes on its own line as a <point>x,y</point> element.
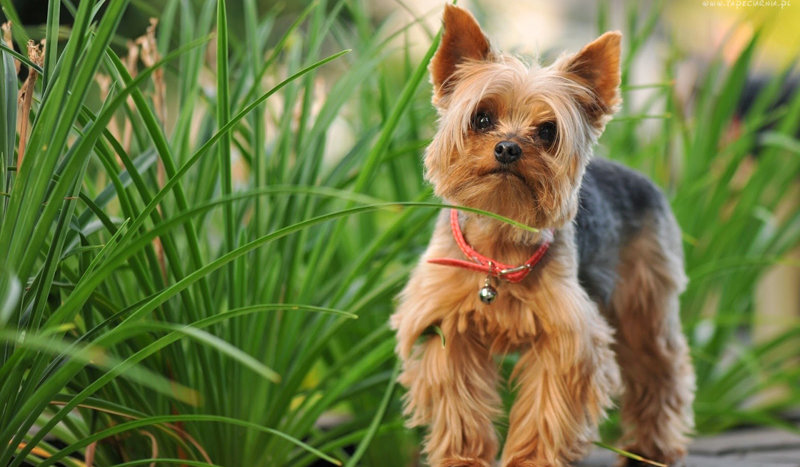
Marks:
<point>507,152</point>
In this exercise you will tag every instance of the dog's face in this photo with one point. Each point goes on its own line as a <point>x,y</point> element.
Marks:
<point>514,139</point>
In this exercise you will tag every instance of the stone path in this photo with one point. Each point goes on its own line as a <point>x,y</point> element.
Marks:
<point>758,447</point>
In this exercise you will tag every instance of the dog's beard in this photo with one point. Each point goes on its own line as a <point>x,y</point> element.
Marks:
<point>534,196</point>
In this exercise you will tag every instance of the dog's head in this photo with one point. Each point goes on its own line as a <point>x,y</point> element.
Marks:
<point>514,139</point>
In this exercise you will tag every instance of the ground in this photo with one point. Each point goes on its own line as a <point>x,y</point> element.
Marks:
<point>756,447</point>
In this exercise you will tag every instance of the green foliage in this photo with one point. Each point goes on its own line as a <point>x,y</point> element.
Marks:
<point>157,304</point>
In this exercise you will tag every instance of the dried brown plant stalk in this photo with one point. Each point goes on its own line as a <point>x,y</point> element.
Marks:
<point>150,56</point>
<point>8,39</point>
<point>145,48</point>
<point>25,99</point>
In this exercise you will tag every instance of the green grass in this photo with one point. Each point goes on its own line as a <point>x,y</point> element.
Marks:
<point>156,304</point>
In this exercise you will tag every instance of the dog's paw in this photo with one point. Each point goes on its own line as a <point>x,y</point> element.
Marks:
<point>627,462</point>
<point>516,462</point>
<point>458,461</point>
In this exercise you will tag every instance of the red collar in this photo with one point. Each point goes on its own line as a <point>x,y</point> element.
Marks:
<point>481,263</point>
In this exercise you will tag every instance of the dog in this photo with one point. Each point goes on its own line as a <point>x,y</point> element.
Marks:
<point>587,295</point>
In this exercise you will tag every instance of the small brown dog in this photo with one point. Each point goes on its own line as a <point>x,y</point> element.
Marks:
<point>517,141</point>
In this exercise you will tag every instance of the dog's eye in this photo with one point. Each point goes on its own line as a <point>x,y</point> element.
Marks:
<point>482,121</point>
<point>547,133</point>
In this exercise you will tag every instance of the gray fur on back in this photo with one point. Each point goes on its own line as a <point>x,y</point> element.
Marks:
<point>615,202</point>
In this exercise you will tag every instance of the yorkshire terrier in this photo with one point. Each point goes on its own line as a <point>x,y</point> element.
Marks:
<point>588,296</point>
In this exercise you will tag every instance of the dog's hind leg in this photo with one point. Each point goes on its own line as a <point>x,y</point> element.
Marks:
<point>651,349</point>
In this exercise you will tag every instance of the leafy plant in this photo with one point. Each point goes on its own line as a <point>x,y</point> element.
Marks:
<point>170,330</point>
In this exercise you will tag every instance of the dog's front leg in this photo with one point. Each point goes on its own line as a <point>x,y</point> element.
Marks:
<point>564,382</point>
<point>452,389</point>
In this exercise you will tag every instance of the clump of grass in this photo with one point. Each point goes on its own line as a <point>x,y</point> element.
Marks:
<point>184,266</point>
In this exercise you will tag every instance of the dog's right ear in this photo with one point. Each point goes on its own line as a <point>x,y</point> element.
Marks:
<point>462,40</point>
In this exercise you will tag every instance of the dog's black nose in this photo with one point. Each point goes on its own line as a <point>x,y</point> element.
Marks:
<point>507,152</point>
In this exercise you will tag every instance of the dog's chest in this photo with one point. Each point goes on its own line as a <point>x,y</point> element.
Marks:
<point>511,321</point>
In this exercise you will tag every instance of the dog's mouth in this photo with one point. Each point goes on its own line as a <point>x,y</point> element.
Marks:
<point>505,171</point>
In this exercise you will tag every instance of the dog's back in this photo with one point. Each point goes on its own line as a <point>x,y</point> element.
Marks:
<point>615,204</point>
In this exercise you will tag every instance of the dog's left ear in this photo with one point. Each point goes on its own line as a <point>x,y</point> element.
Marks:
<point>597,67</point>
<point>462,40</point>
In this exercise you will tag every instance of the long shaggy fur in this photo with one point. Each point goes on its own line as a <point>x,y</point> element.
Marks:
<point>615,263</point>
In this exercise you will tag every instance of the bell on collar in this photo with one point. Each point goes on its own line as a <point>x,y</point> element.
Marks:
<point>487,293</point>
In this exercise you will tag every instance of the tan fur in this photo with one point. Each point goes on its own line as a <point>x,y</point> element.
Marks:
<point>462,40</point>
<point>564,342</point>
<point>656,405</point>
<point>597,66</point>
<point>566,375</point>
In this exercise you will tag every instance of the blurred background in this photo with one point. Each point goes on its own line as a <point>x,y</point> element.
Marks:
<point>220,328</point>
